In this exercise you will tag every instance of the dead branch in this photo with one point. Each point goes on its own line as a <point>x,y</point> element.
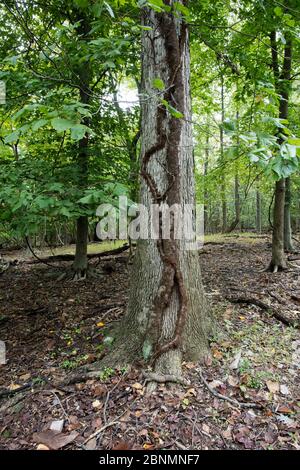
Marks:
<point>224,397</point>
<point>265,307</point>
<point>69,257</point>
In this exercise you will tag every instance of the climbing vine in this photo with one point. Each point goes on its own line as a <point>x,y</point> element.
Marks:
<point>168,131</point>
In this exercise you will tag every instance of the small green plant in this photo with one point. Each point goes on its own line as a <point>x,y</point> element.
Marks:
<point>70,364</point>
<point>254,381</point>
<point>245,366</point>
<point>99,348</point>
<point>38,381</point>
<point>106,373</point>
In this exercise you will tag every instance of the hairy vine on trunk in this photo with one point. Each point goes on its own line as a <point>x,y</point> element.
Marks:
<point>168,131</point>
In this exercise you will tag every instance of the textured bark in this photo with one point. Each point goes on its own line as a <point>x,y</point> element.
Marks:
<point>167,312</point>
<point>258,212</point>
<point>237,201</point>
<point>278,261</point>
<point>205,195</point>
<point>80,264</point>
<point>223,182</point>
<point>288,242</point>
<point>281,78</point>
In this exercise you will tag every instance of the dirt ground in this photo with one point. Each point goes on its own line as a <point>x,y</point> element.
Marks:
<point>53,327</point>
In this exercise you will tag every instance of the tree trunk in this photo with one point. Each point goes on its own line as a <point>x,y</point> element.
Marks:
<point>81,260</point>
<point>237,202</point>
<point>223,183</point>
<point>278,259</point>
<point>167,317</point>
<point>281,78</point>
<point>288,242</point>
<point>205,195</point>
<point>80,264</point>
<point>258,212</point>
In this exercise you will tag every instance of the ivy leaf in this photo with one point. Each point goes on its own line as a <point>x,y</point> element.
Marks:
<point>182,9</point>
<point>158,83</point>
<point>173,111</point>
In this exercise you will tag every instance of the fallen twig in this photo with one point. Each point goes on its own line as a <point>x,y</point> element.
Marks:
<point>233,401</point>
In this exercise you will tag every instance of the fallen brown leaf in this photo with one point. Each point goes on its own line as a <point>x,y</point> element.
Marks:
<point>54,440</point>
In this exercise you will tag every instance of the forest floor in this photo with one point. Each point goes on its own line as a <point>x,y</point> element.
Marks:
<point>51,328</point>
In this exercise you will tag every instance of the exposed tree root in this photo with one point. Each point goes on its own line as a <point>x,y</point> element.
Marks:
<point>275,268</point>
<point>8,393</point>
<point>164,378</point>
<point>73,274</point>
<point>267,308</point>
<point>82,376</point>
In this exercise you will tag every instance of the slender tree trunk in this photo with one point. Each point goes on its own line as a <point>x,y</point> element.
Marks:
<point>258,211</point>
<point>205,195</point>
<point>282,78</point>
<point>278,259</point>
<point>167,318</point>
<point>81,261</point>
<point>288,242</point>
<point>80,264</point>
<point>223,183</point>
<point>237,202</point>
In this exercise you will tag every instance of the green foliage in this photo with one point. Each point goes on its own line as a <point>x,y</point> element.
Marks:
<point>173,111</point>
<point>106,374</point>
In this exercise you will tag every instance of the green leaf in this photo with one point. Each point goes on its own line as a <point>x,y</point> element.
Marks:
<point>78,131</point>
<point>81,3</point>
<point>13,137</point>
<point>158,84</point>
<point>64,211</point>
<point>89,199</point>
<point>294,141</point>
<point>228,125</point>
<point>173,111</point>
<point>35,125</point>
<point>278,11</point>
<point>182,9</point>
<point>109,9</point>
<point>61,125</point>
